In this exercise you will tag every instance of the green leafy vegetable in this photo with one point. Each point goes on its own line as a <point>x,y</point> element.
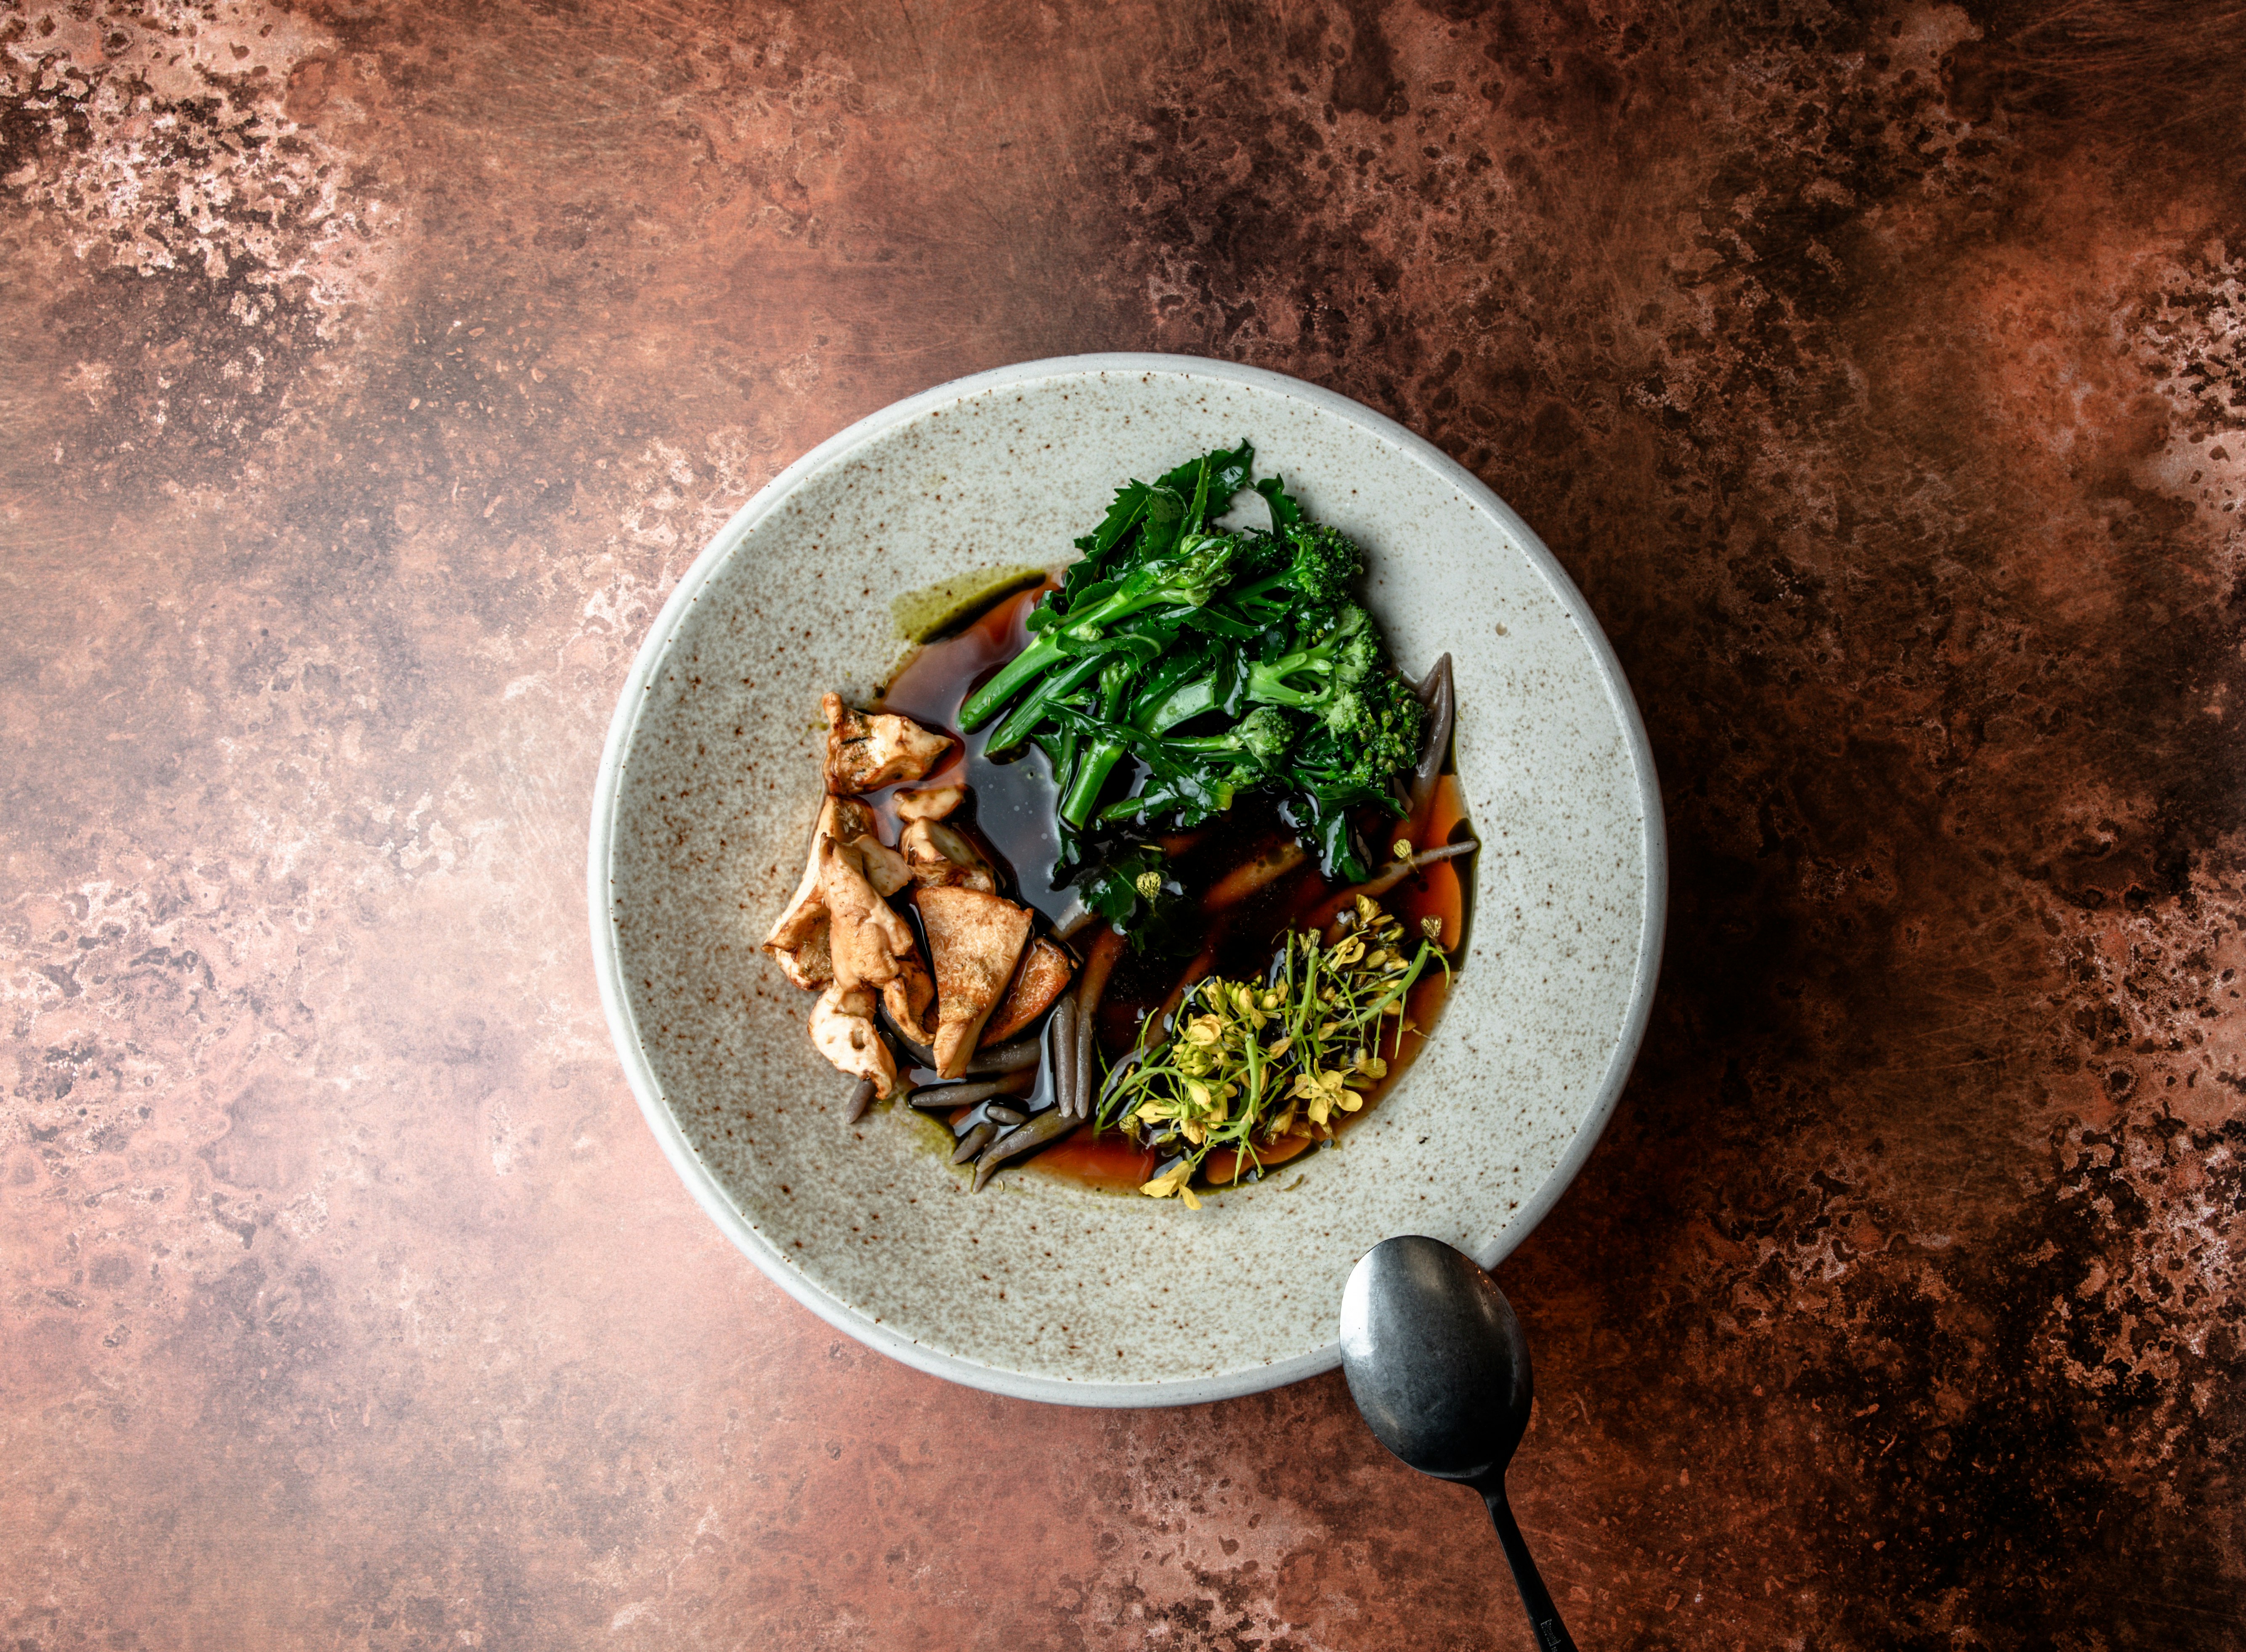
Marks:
<point>1182,663</point>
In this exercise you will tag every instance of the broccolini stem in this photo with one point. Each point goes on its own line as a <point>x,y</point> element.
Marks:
<point>1218,743</point>
<point>1031,710</point>
<point>1099,760</point>
<point>1187,700</point>
<point>1187,579</point>
<point>983,703</point>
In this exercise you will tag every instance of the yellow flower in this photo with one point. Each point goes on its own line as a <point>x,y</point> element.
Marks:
<point>1204,1031</point>
<point>1401,849</point>
<point>1198,1091</point>
<point>1149,884</point>
<point>1431,926</point>
<point>1347,952</point>
<point>1366,912</point>
<point>1185,1197</point>
<point>1168,1183</point>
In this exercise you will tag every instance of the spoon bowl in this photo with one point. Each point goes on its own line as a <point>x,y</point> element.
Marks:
<point>1435,1359</point>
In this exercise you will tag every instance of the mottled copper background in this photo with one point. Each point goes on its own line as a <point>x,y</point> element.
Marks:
<point>373,368</point>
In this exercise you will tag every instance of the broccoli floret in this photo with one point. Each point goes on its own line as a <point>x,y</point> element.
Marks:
<point>1313,676</point>
<point>1325,565</point>
<point>1306,569</point>
<point>1262,564</point>
<point>1188,578</point>
<point>1376,728</point>
<point>1370,734</point>
<point>1258,742</point>
<point>1198,777</point>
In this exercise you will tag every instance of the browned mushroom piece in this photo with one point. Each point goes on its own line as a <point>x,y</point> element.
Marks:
<point>847,819</point>
<point>931,805</point>
<point>799,941</point>
<point>909,999</point>
<point>885,868</point>
<point>1045,969</point>
<point>842,1029</point>
<point>855,827</point>
<point>872,945</point>
<point>838,928</point>
<point>868,750</point>
<point>812,964</point>
<point>938,854</point>
<point>974,941</point>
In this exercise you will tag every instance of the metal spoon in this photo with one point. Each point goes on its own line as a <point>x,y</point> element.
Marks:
<point>1436,1361</point>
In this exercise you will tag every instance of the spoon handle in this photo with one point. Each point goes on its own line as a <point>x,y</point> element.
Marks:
<point>1551,1634</point>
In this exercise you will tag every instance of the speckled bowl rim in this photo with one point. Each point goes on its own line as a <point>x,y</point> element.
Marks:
<point>608,963</point>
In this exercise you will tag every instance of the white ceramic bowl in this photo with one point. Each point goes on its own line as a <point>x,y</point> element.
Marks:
<point>1038,1287</point>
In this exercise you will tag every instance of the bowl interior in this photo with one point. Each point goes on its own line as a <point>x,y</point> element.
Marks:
<point>1039,1286</point>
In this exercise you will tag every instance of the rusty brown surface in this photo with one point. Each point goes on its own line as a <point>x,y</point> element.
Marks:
<point>373,370</point>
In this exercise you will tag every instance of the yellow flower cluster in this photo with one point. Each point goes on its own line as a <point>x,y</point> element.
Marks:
<point>1249,1063</point>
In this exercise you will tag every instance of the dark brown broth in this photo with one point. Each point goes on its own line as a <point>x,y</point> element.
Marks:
<point>1012,813</point>
<point>1011,805</point>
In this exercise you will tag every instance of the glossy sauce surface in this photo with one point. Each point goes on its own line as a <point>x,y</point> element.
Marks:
<point>1011,805</point>
<point>1011,812</point>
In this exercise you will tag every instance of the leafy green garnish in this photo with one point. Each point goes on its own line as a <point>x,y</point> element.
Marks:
<point>1133,891</point>
<point>1285,513</point>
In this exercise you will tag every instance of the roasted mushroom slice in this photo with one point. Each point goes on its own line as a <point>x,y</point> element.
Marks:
<point>974,941</point>
<point>842,1028</point>
<point>1045,969</point>
<point>907,999</point>
<point>868,750</point>
<point>851,824</point>
<point>932,805</point>
<point>870,941</point>
<point>810,965</point>
<point>847,819</point>
<point>799,941</point>
<point>936,853</point>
